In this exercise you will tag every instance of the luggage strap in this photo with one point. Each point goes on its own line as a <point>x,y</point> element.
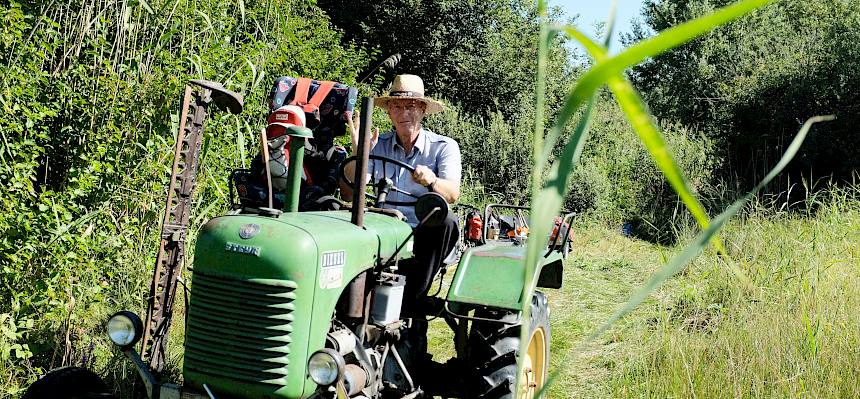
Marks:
<point>303,87</point>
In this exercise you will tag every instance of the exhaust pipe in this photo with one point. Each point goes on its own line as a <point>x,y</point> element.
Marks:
<point>361,169</point>
<point>357,288</point>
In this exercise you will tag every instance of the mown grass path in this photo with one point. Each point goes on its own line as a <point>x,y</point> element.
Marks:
<point>602,270</point>
<point>601,273</point>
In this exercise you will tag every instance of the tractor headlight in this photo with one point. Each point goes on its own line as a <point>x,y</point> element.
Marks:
<point>325,367</point>
<point>124,328</point>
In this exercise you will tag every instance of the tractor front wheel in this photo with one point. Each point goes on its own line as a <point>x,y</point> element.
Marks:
<point>69,383</point>
<point>493,355</point>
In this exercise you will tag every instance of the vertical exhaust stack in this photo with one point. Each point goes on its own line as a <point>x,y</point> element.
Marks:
<point>357,288</point>
<point>361,169</point>
<point>297,134</point>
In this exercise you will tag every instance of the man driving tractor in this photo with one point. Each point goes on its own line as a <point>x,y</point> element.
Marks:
<point>438,169</point>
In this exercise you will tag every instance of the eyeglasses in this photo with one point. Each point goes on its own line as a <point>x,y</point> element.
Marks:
<point>410,106</point>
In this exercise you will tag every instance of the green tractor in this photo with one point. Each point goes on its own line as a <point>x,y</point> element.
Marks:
<point>288,304</point>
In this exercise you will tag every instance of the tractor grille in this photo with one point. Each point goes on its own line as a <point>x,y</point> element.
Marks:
<point>240,329</point>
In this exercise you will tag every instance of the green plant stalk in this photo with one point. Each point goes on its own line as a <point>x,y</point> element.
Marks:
<point>677,263</point>
<point>546,202</point>
<point>537,142</point>
<point>552,196</point>
<point>540,90</point>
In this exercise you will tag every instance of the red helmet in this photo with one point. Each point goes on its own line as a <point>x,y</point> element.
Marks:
<point>282,118</point>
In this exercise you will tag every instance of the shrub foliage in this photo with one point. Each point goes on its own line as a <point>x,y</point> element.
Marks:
<point>90,98</point>
<point>750,84</point>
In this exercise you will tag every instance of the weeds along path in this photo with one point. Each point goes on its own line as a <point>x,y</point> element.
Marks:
<point>793,331</point>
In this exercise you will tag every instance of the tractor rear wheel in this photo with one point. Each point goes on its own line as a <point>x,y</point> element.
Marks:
<point>493,351</point>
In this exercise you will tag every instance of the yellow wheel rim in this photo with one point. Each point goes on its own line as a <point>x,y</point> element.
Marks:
<point>534,369</point>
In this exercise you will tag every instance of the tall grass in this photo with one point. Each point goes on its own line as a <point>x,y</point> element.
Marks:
<point>792,333</point>
<point>89,110</point>
<point>548,193</point>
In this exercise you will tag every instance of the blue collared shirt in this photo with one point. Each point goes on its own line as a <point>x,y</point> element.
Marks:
<point>439,153</point>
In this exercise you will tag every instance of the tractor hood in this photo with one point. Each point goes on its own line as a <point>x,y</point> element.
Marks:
<point>263,293</point>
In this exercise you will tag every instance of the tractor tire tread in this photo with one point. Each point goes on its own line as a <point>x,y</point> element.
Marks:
<point>494,348</point>
<point>69,383</point>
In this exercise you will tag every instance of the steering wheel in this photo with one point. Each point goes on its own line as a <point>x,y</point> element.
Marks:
<point>384,184</point>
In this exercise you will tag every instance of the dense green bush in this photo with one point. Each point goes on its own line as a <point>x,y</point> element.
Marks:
<point>496,155</point>
<point>749,85</point>
<point>617,181</point>
<point>90,96</point>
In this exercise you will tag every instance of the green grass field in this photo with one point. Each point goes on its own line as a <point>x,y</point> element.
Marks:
<point>792,331</point>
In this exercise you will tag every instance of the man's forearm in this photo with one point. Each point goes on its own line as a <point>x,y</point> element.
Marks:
<point>447,189</point>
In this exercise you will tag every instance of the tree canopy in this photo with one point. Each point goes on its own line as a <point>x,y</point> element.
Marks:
<point>753,82</point>
<point>479,54</point>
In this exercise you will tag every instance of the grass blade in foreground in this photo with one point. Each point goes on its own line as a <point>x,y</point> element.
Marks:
<point>546,202</point>
<point>549,203</point>
<point>544,38</point>
<point>692,250</point>
<point>608,69</point>
<point>643,124</point>
<point>673,37</point>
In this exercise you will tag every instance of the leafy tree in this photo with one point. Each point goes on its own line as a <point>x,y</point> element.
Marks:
<point>89,93</point>
<point>480,54</point>
<point>750,84</point>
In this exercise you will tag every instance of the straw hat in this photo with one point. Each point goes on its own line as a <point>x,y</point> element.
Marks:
<point>409,87</point>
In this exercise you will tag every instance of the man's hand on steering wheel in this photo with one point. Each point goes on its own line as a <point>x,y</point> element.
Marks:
<point>424,176</point>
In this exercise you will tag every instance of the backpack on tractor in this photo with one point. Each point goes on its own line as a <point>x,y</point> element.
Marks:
<point>289,304</point>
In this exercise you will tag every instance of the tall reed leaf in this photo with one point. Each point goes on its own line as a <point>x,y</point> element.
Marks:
<point>547,200</point>
<point>677,263</point>
<point>673,37</point>
<point>643,124</point>
<point>607,68</point>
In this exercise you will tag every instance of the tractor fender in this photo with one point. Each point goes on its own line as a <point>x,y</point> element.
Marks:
<point>493,275</point>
